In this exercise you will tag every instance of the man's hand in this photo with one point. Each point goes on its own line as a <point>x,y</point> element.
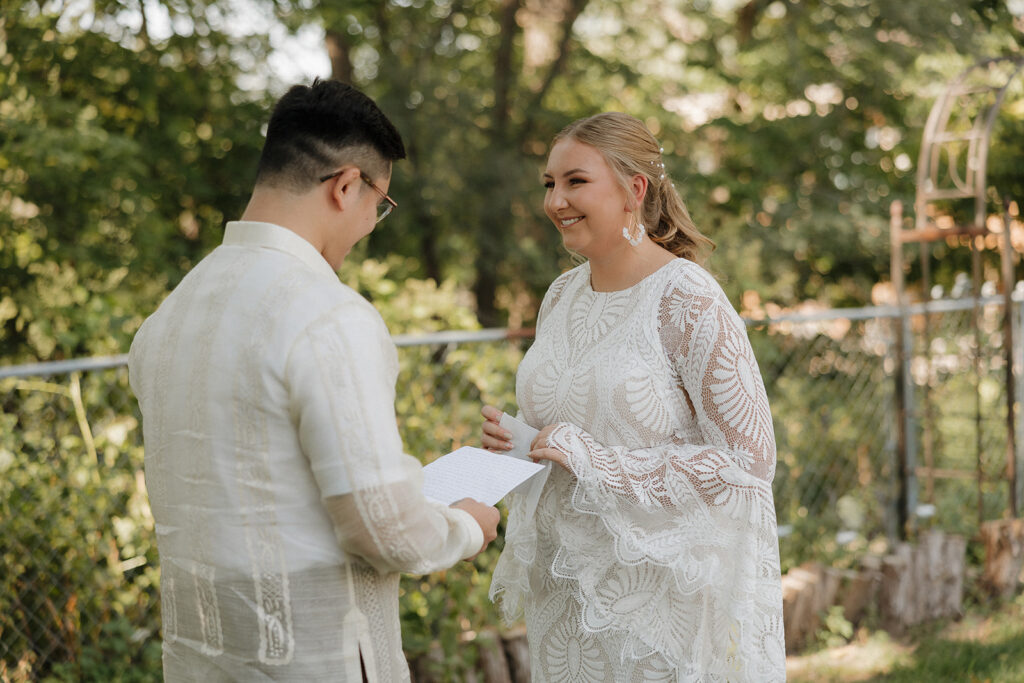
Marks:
<point>486,516</point>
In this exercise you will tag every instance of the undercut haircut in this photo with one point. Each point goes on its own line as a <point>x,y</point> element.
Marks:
<point>315,129</point>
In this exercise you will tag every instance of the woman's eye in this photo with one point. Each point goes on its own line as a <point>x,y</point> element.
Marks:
<point>550,184</point>
<point>576,181</point>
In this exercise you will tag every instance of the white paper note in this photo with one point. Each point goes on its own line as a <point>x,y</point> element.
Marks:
<point>522,435</point>
<point>475,473</point>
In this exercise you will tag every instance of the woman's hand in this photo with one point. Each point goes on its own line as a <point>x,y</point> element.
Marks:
<point>494,437</point>
<point>539,449</point>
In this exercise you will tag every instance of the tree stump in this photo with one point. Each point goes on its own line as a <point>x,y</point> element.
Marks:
<point>896,597</point>
<point>1004,555</point>
<point>427,667</point>
<point>517,653</point>
<point>922,582</point>
<point>943,591</point>
<point>859,590</point>
<point>807,591</point>
<point>493,664</point>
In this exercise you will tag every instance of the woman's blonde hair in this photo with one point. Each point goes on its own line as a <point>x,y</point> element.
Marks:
<point>631,149</point>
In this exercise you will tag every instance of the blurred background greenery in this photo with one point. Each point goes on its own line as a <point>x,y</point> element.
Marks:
<point>130,130</point>
<point>129,133</point>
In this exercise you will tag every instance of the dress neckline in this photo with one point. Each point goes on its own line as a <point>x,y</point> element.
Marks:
<point>589,285</point>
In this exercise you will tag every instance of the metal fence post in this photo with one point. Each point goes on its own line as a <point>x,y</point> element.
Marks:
<point>1018,364</point>
<point>910,414</point>
<point>906,498</point>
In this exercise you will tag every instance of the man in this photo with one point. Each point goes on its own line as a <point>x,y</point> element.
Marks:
<point>283,502</point>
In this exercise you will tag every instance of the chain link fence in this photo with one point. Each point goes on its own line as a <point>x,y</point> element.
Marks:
<point>78,562</point>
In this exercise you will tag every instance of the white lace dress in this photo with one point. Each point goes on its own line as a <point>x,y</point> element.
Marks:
<point>657,558</point>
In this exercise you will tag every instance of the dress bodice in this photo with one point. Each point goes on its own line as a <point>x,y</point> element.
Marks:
<point>655,557</point>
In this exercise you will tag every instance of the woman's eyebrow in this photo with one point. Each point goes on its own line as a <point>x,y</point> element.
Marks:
<point>567,173</point>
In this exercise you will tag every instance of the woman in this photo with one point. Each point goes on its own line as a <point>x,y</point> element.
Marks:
<point>652,553</point>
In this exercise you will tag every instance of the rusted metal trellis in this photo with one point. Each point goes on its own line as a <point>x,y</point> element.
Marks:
<point>952,167</point>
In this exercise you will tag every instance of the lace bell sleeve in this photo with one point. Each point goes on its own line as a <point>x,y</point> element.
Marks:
<point>341,378</point>
<point>731,465</point>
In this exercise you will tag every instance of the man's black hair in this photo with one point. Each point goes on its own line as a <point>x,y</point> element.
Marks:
<point>311,124</point>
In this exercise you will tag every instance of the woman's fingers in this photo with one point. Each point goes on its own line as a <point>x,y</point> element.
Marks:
<point>552,454</point>
<point>491,413</point>
<point>495,437</point>
<point>541,440</point>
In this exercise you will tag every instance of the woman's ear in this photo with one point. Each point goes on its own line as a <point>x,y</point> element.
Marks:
<point>637,190</point>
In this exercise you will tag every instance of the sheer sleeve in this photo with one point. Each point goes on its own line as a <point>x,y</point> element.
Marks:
<point>731,462</point>
<point>400,533</point>
<point>341,377</point>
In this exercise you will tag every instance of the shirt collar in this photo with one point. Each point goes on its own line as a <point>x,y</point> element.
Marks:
<point>271,236</point>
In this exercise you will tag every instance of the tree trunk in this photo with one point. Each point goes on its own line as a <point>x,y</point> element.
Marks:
<point>807,592</point>
<point>1004,555</point>
<point>922,582</point>
<point>337,51</point>
<point>517,651</point>
<point>493,664</point>
<point>503,67</point>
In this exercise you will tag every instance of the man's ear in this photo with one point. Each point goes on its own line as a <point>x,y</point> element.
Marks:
<point>345,187</point>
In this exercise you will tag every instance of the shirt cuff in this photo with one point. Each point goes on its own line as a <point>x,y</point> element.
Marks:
<point>472,533</point>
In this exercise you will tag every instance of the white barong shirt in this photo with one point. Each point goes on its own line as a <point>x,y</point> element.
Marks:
<point>284,504</point>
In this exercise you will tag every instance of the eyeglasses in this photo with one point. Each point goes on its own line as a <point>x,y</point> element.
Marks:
<point>384,207</point>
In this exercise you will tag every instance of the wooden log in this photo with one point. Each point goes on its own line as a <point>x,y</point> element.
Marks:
<point>1004,555</point>
<point>955,561</point>
<point>517,653</point>
<point>928,576</point>
<point>896,605</point>
<point>427,668</point>
<point>798,617</point>
<point>941,564</point>
<point>493,664</point>
<point>858,593</point>
<point>922,582</point>
<point>807,592</point>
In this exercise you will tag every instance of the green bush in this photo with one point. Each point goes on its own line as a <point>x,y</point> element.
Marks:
<point>76,537</point>
<point>79,594</point>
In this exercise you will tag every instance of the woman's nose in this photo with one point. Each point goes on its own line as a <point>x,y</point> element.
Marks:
<point>556,199</point>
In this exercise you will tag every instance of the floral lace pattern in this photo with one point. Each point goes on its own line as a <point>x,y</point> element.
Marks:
<point>284,505</point>
<point>656,559</point>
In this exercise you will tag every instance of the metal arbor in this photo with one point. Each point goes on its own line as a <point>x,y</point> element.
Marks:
<point>952,166</point>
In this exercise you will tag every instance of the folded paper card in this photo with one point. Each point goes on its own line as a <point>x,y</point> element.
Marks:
<point>475,473</point>
<point>522,438</point>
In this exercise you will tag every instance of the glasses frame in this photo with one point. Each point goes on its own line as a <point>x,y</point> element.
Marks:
<point>389,203</point>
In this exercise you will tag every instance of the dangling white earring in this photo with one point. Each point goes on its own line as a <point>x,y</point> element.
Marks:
<point>640,228</point>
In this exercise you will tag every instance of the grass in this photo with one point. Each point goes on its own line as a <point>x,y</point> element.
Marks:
<point>986,645</point>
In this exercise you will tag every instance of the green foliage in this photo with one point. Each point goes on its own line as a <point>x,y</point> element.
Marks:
<point>119,163</point>
<point>440,393</point>
<point>831,400</point>
<point>789,127</point>
<point>836,630</point>
<point>984,644</point>
<point>80,601</point>
<point>79,590</point>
